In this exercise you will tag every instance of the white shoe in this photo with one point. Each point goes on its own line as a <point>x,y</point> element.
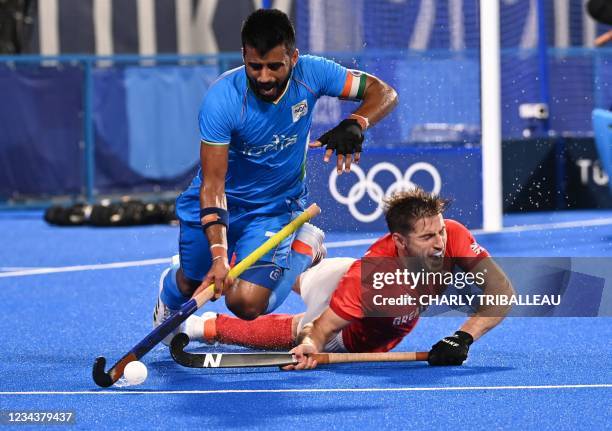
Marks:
<point>314,237</point>
<point>201,328</point>
<point>319,255</point>
<point>161,312</point>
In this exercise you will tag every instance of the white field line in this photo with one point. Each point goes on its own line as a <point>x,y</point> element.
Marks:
<point>331,244</point>
<point>128,264</point>
<point>320,390</point>
<point>558,225</point>
<point>19,268</point>
<point>512,229</point>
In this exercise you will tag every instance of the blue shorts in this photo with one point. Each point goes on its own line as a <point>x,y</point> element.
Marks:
<point>248,229</point>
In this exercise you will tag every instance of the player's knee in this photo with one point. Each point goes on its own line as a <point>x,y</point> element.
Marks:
<point>246,312</point>
<point>243,306</point>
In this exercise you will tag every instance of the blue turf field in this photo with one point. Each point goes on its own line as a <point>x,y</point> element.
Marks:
<point>528,373</point>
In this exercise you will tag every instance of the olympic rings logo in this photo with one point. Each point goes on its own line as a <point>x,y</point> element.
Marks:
<point>367,184</point>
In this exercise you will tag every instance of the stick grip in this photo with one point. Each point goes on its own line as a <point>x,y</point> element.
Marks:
<point>340,358</point>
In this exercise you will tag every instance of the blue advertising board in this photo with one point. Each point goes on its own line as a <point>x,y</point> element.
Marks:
<point>353,202</point>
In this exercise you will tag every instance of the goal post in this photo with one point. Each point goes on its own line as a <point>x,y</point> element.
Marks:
<point>490,102</point>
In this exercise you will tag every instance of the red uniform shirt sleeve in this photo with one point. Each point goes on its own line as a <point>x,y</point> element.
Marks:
<point>346,299</point>
<point>462,245</point>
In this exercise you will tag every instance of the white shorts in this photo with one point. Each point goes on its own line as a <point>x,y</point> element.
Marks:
<point>316,288</point>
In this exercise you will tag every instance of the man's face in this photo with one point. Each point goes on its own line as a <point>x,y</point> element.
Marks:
<point>268,75</point>
<point>427,241</point>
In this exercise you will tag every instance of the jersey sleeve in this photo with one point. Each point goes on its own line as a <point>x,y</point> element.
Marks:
<point>217,115</point>
<point>329,78</point>
<point>463,246</point>
<point>346,299</point>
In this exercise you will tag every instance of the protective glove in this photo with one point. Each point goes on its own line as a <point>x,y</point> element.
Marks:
<point>452,350</point>
<point>345,140</point>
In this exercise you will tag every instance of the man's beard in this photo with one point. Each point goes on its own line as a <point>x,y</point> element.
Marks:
<point>279,86</point>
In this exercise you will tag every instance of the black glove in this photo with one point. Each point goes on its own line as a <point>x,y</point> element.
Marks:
<point>451,350</point>
<point>345,138</point>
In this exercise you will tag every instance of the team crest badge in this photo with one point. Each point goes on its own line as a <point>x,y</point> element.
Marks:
<point>299,110</point>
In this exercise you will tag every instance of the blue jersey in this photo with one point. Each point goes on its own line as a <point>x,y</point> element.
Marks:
<point>267,141</point>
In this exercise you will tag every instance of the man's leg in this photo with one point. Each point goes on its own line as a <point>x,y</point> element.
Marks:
<point>269,332</point>
<point>307,250</point>
<point>264,286</point>
<point>317,285</point>
<point>179,281</point>
<point>274,331</point>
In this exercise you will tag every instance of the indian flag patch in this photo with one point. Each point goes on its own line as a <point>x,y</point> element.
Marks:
<point>354,86</point>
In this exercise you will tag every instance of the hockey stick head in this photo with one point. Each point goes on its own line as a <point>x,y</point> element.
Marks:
<point>177,346</point>
<point>100,376</point>
<point>107,379</point>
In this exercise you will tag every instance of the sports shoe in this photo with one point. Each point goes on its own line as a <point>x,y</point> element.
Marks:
<point>161,312</point>
<point>314,237</point>
<point>202,328</point>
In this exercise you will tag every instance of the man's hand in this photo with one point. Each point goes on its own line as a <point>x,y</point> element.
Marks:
<point>603,39</point>
<point>302,355</point>
<point>346,140</point>
<point>451,350</point>
<point>218,274</point>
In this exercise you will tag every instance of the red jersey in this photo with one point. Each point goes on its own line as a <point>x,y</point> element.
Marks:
<point>381,334</point>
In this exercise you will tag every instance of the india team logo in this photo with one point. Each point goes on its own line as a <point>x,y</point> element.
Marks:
<point>299,110</point>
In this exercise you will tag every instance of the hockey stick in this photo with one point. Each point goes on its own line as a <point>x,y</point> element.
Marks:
<point>106,379</point>
<point>238,360</point>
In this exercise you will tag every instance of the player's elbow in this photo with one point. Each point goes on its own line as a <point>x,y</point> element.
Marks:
<point>507,290</point>
<point>390,98</point>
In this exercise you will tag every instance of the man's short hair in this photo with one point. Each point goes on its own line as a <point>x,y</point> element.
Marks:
<point>265,29</point>
<point>403,209</point>
<point>600,10</point>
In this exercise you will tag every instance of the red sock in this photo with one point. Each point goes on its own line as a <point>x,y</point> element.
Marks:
<point>272,331</point>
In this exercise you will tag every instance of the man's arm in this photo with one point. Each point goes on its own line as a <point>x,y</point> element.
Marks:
<point>214,161</point>
<point>603,39</point>
<point>326,326</point>
<point>489,316</point>
<point>379,99</point>
<point>453,350</point>
<point>346,138</point>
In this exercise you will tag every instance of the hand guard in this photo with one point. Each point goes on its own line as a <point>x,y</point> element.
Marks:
<point>345,138</point>
<point>451,350</point>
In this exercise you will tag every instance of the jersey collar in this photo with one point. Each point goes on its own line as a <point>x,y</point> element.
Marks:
<point>286,87</point>
<point>281,95</point>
